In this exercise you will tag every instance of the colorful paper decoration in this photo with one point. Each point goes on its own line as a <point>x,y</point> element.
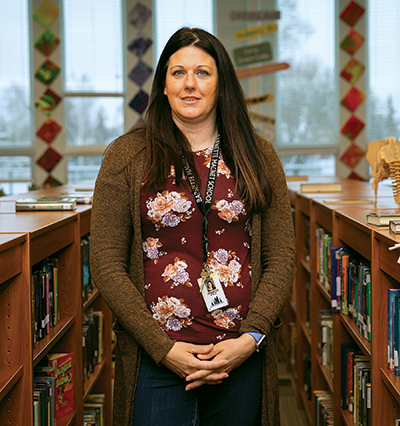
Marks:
<point>48,102</point>
<point>49,159</point>
<point>254,32</point>
<point>140,45</point>
<point>47,43</point>
<point>352,42</point>
<point>46,13</point>
<point>139,102</point>
<point>140,73</point>
<point>47,72</point>
<point>264,69</point>
<point>352,99</point>
<point>139,15</point>
<point>51,182</point>
<point>352,127</point>
<point>49,130</point>
<point>352,13</point>
<point>352,71</point>
<point>355,176</point>
<point>353,155</point>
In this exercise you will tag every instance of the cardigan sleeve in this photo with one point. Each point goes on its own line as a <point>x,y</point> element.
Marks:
<point>273,252</point>
<point>114,242</point>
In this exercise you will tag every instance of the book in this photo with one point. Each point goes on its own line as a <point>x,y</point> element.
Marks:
<point>396,331</point>
<point>391,309</point>
<point>82,197</point>
<point>394,227</point>
<point>45,203</point>
<point>63,370</point>
<point>309,188</point>
<point>49,384</point>
<point>382,219</point>
<point>338,201</point>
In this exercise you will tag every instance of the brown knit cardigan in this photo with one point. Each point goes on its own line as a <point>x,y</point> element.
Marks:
<point>116,262</point>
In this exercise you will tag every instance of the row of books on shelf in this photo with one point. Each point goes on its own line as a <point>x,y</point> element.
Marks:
<point>87,282</point>
<point>53,393</point>
<point>45,306</point>
<point>347,278</point>
<point>94,410</point>
<point>325,338</point>
<point>307,376</point>
<point>324,414</point>
<point>92,341</point>
<point>394,330</point>
<point>44,287</point>
<point>53,390</point>
<point>356,384</point>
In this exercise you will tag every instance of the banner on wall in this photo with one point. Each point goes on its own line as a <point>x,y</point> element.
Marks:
<point>254,32</point>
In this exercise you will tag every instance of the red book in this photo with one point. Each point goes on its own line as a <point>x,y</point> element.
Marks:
<point>63,370</point>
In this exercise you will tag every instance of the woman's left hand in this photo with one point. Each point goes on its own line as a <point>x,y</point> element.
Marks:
<point>234,351</point>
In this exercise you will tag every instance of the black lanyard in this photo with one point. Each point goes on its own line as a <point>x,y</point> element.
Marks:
<point>204,205</point>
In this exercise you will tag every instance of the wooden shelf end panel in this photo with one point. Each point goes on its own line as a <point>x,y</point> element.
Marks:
<point>9,376</point>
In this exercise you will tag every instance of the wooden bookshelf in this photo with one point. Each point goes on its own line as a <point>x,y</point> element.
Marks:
<point>25,240</point>
<point>346,222</point>
<point>15,346</point>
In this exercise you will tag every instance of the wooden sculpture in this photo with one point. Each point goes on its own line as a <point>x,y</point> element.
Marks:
<point>384,158</point>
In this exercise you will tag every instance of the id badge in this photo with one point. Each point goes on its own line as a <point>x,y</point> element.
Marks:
<point>212,292</point>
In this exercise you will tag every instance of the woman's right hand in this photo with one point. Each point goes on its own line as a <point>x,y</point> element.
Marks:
<point>182,360</point>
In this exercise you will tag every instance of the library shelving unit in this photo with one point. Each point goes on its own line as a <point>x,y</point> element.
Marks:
<point>15,349</point>
<point>346,223</point>
<point>26,239</point>
<point>386,274</point>
<point>323,210</point>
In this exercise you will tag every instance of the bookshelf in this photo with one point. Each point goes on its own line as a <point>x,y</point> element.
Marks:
<point>346,223</point>
<point>15,367</point>
<point>26,239</point>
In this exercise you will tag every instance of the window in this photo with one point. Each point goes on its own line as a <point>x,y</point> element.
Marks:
<point>307,92</point>
<point>15,113</point>
<point>383,110</point>
<point>93,83</point>
<point>174,14</point>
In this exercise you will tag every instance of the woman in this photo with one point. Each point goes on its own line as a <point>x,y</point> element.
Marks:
<point>192,248</point>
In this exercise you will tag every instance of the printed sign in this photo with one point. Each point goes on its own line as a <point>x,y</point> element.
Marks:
<point>268,97</point>
<point>254,32</point>
<point>256,15</point>
<point>264,69</point>
<point>252,54</point>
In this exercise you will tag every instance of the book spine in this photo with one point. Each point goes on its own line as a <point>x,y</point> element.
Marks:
<point>369,326</point>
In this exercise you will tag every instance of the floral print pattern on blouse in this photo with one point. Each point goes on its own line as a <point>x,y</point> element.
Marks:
<point>171,313</point>
<point>176,273</point>
<point>169,209</point>
<point>225,318</point>
<point>225,264</point>
<point>173,260</point>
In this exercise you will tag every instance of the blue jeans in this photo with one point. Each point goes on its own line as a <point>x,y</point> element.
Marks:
<point>161,399</point>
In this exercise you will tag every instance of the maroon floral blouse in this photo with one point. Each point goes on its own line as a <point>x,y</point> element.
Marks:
<point>172,253</point>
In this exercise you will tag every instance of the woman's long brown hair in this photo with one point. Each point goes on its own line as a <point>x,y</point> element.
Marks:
<point>166,143</point>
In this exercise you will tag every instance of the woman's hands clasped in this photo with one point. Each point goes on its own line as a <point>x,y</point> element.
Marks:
<point>208,364</point>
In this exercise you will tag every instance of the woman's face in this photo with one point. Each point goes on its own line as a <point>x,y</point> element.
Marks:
<point>191,85</point>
